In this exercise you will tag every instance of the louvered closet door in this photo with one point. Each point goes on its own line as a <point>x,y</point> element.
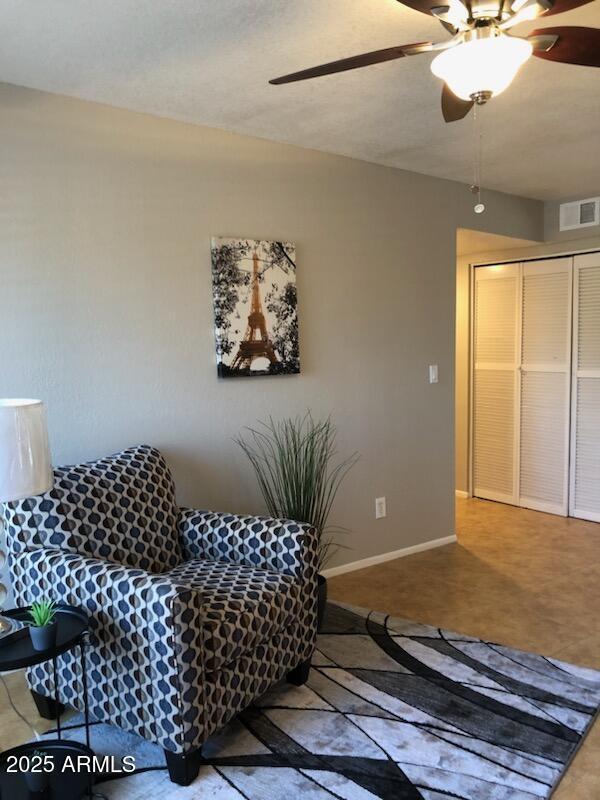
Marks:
<point>585,423</point>
<point>495,381</point>
<point>545,385</point>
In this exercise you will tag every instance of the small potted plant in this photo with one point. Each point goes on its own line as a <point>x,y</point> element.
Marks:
<point>43,624</point>
<point>38,779</point>
<point>299,474</point>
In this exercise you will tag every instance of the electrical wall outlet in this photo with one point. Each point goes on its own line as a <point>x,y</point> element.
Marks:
<point>380,509</point>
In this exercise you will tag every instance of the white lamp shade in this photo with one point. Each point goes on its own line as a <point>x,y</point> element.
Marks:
<point>484,65</point>
<point>25,461</point>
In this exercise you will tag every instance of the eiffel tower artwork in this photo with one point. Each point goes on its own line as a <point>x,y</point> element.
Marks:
<point>256,342</point>
<point>255,303</point>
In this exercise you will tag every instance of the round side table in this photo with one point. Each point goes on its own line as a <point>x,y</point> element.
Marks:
<point>61,783</point>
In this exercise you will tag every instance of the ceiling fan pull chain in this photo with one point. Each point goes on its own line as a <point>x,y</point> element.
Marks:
<point>479,207</point>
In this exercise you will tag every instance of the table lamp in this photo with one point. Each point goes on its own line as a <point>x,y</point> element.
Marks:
<point>25,461</point>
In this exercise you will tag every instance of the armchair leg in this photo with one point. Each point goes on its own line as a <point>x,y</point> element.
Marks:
<point>299,675</point>
<point>47,707</point>
<point>183,767</point>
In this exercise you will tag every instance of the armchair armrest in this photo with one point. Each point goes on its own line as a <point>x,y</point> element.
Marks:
<point>280,545</point>
<point>144,626</point>
<point>76,579</point>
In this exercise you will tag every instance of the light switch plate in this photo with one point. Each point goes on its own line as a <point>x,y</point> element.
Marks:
<point>433,373</point>
<point>380,508</point>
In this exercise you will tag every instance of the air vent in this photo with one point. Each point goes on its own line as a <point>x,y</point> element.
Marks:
<point>580,214</point>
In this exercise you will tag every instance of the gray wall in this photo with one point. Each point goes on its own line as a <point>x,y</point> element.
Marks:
<point>106,302</point>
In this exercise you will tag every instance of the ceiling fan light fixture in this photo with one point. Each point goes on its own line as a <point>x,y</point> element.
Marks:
<point>482,66</point>
<point>526,14</point>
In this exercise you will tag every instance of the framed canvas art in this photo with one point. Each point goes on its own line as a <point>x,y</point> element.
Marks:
<point>256,307</point>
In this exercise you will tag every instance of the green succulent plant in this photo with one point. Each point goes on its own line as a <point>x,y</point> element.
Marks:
<point>42,612</point>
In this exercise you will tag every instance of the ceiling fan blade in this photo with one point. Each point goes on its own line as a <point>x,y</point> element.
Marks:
<point>354,62</point>
<point>453,107</point>
<point>525,12</point>
<point>560,6</point>
<point>572,45</point>
<point>424,6</point>
<point>440,8</point>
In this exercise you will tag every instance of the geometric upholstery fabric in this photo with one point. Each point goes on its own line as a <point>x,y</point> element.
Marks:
<point>121,508</point>
<point>243,606</point>
<point>214,536</point>
<point>145,639</point>
<point>177,647</point>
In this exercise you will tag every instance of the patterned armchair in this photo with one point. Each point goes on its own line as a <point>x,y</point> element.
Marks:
<point>193,614</point>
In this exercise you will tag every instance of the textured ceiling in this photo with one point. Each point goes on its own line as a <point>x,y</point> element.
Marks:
<point>208,62</point>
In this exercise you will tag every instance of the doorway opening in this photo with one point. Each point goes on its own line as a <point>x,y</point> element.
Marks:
<point>528,375</point>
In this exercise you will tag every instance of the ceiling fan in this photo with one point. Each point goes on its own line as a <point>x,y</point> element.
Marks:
<point>482,57</point>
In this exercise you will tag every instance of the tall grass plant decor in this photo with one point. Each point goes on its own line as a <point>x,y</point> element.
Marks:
<point>299,472</point>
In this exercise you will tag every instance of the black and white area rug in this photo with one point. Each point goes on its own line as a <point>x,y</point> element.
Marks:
<point>392,710</point>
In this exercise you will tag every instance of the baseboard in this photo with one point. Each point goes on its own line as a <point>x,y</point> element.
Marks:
<point>461,493</point>
<point>405,551</point>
